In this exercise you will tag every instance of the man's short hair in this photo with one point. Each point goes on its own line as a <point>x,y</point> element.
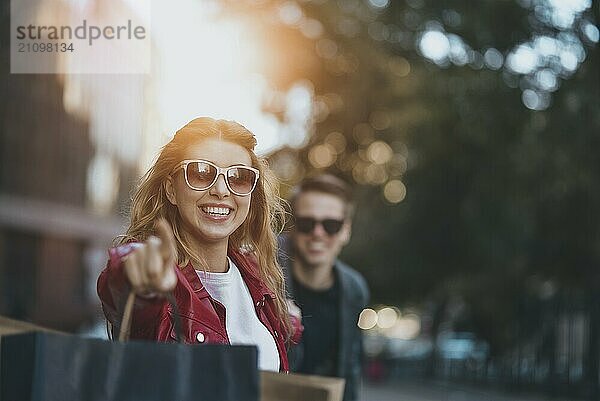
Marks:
<point>327,184</point>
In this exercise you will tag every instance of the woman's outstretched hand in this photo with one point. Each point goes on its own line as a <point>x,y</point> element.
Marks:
<point>151,267</point>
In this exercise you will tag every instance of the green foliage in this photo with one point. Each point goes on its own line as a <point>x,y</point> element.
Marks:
<point>500,198</point>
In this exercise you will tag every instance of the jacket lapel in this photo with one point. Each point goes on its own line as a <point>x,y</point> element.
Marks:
<point>344,319</point>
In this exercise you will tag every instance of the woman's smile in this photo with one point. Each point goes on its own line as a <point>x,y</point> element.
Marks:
<point>217,211</point>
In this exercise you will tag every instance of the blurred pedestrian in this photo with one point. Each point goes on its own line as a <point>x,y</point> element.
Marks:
<point>330,293</point>
<point>202,227</point>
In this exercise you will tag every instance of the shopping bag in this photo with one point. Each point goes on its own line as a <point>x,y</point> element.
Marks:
<point>300,387</point>
<point>42,366</point>
<point>12,326</point>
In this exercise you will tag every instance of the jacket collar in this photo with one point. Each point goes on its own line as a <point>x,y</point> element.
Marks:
<point>192,278</point>
<point>248,266</point>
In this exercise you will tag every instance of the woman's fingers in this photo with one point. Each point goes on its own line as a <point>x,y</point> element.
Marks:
<point>168,249</point>
<point>150,268</point>
<point>168,253</point>
<point>153,262</point>
<point>169,280</point>
<point>132,270</point>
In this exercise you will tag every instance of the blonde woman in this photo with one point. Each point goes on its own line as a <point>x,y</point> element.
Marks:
<point>203,224</point>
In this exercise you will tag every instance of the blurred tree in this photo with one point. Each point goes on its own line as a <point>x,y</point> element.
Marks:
<point>469,129</point>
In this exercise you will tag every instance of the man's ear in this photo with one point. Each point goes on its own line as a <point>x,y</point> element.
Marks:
<point>170,191</point>
<point>346,232</point>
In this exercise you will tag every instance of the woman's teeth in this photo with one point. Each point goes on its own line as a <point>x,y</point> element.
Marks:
<point>217,211</point>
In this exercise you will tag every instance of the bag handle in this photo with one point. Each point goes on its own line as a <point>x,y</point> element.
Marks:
<point>125,328</point>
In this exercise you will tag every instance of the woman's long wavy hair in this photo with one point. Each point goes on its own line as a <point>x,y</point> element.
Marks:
<point>258,233</point>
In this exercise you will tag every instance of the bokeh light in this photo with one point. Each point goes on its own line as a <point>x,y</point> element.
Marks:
<point>535,100</point>
<point>322,156</point>
<point>591,32</point>
<point>394,191</point>
<point>459,52</point>
<point>452,18</point>
<point>337,140</point>
<point>348,27</point>
<point>311,28</point>
<point>398,165</point>
<point>568,59</point>
<point>375,174</point>
<point>363,133</point>
<point>334,102</point>
<point>407,327</point>
<point>546,46</point>
<point>326,48</point>
<point>379,3</point>
<point>493,59</point>
<point>290,13</point>
<point>435,46</point>
<point>546,79</point>
<point>359,172</point>
<point>563,12</point>
<point>387,317</point>
<point>367,319</point>
<point>379,152</point>
<point>399,66</point>
<point>380,119</point>
<point>287,166</point>
<point>523,60</point>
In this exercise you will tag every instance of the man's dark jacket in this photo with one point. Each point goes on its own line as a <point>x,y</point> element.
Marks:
<point>354,297</point>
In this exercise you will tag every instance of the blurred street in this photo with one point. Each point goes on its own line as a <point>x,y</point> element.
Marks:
<point>467,132</point>
<point>418,390</point>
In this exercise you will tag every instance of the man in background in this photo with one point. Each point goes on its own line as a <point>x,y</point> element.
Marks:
<point>330,294</point>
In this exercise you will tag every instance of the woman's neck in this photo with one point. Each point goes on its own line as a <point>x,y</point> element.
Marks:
<point>213,255</point>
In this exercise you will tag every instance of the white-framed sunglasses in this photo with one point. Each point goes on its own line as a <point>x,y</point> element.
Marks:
<point>200,175</point>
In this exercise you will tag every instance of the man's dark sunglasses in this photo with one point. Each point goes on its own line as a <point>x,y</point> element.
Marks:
<point>307,225</point>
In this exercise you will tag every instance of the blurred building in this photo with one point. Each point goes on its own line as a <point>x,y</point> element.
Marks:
<point>65,175</point>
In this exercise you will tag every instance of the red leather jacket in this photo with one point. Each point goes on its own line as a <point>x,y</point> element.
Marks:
<point>202,318</point>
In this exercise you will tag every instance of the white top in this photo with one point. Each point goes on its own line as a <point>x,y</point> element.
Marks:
<point>241,322</point>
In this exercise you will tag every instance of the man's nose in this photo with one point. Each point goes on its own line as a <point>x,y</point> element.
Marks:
<point>319,230</point>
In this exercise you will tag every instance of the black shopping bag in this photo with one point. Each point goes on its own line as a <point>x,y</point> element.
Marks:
<point>54,367</point>
<point>42,366</point>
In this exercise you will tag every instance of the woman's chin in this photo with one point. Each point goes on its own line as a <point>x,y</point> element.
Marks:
<point>214,231</point>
